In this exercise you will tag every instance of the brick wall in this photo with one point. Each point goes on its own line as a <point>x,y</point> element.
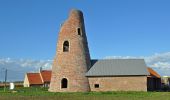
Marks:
<point>125,83</point>
<point>73,64</point>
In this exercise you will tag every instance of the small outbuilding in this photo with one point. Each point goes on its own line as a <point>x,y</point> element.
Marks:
<point>46,77</point>
<point>41,79</point>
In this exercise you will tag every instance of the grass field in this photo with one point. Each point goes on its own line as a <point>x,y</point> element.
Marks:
<point>43,94</point>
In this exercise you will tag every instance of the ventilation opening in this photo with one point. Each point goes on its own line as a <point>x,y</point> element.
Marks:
<point>79,31</point>
<point>65,46</point>
<point>96,85</point>
<point>64,83</point>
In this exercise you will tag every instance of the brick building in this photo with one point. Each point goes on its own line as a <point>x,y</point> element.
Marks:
<point>74,71</point>
<point>118,75</point>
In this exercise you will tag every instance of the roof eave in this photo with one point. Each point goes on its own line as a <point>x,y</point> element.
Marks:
<point>112,75</point>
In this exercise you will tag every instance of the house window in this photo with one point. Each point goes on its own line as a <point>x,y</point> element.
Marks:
<point>65,46</point>
<point>96,85</point>
<point>79,31</point>
<point>64,83</point>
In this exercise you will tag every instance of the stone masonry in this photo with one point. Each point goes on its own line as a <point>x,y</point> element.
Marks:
<point>73,63</point>
<point>115,83</point>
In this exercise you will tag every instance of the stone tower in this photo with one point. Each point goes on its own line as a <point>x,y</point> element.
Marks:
<point>72,58</point>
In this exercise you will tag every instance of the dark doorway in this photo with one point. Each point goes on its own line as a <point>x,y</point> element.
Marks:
<point>64,83</point>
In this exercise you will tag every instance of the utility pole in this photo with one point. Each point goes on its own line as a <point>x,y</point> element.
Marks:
<point>5,79</point>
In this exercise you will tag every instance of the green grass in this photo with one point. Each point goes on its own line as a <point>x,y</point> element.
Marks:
<point>43,94</point>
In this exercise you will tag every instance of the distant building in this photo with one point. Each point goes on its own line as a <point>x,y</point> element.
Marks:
<point>153,80</point>
<point>46,77</point>
<point>37,79</point>
<point>165,81</point>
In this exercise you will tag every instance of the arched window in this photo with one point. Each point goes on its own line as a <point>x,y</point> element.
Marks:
<point>64,83</point>
<point>65,46</point>
<point>79,31</point>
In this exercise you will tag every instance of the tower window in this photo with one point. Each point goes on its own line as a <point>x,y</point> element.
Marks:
<point>79,31</point>
<point>64,83</point>
<point>96,85</point>
<point>65,46</point>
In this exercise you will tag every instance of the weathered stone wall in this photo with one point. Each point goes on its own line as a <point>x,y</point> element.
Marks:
<point>73,64</point>
<point>125,83</point>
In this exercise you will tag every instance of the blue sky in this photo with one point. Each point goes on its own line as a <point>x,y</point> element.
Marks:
<point>121,28</point>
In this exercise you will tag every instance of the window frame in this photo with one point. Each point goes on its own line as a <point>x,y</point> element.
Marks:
<point>96,86</point>
<point>79,31</point>
<point>64,46</point>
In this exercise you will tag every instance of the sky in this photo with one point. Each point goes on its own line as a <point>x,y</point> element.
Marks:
<point>115,29</point>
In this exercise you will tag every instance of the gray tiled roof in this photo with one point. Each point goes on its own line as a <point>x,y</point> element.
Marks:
<point>117,67</point>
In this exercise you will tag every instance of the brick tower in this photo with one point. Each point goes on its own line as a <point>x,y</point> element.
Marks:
<point>72,58</point>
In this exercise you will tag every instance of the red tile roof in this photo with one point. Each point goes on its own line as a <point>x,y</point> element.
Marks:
<point>34,78</point>
<point>153,73</point>
<point>46,75</point>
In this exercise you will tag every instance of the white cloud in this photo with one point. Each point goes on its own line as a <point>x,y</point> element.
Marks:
<point>18,67</point>
<point>159,61</point>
